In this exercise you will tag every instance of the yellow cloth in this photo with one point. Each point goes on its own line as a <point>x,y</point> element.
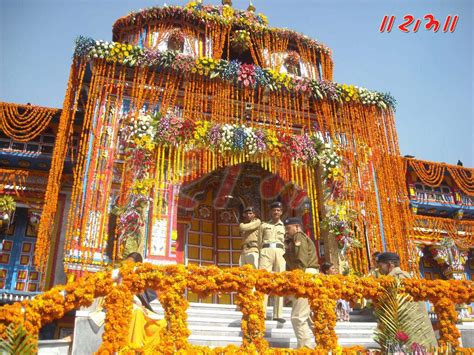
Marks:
<point>145,327</point>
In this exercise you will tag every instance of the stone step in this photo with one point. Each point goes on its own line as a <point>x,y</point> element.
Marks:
<point>231,312</point>
<point>54,347</point>
<point>270,324</point>
<point>274,333</point>
<point>218,340</point>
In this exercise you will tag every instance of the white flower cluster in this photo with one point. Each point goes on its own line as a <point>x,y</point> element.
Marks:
<point>102,49</point>
<point>143,125</point>
<point>227,137</point>
<point>367,97</point>
<point>250,140</point>
<point>329,158</point>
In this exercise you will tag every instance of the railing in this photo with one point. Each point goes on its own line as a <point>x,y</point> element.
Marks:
<point>250,285</point>
<point>434,196</point>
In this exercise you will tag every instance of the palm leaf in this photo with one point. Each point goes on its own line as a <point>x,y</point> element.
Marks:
<point>17,341</point>
<point>398,312</point>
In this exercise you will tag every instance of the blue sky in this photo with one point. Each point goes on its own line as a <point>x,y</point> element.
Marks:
<point>430,74</point>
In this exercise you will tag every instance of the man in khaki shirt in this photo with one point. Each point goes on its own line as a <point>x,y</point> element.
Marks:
<point>271,252</point>
<point>300,253</point>
<point>250,233</point>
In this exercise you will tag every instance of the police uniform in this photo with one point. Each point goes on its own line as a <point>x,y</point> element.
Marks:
<point>300,254</point>
<point>271,255</point>
<point>250,233</point>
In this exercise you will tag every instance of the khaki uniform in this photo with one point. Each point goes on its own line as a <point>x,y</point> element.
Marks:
<point>301,254</point>
<point>250,233</point>
<point>271,257</point>
<point>428,339</point>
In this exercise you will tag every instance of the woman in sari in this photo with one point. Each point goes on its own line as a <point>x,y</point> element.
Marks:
<point>146,325</point>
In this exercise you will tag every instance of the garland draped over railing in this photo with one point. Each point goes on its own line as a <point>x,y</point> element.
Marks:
<point>434,229</point>
<point>433,173</point>
<point>21,181</point>
<point>24,122</point>
<point>170,282</point>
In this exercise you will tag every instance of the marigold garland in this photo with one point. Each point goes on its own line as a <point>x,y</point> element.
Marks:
<point>433,173</point>
<point>171,281</point>
<point>27,125</point>
<point>434,229</point>
<point>59,154</point>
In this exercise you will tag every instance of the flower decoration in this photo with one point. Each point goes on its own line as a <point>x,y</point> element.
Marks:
<point>171,281</point>
<point>292,62</point>
<point>227,12</point>
<point>183,63</point>
<point>7,204</point>
<point>231,71</point>
<point>176,40</point>
<point>246,75</point>
<point>204,66</point>
<point>240,40</point>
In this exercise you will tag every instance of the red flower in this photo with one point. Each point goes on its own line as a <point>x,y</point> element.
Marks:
<point>401,336</point>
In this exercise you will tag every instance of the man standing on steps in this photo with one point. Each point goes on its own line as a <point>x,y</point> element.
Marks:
<point>300,254</point>
<point>271,253</point>
<point>250,233</point>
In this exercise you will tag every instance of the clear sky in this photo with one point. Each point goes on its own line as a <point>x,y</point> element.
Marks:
<point>430,74</point>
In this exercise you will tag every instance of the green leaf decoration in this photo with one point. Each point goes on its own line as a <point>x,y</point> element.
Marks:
<point>397,312</point>
<point>17,341</point>
<point>7,204</point>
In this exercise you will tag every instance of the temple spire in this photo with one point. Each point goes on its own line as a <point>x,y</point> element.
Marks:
<point>251,8</point>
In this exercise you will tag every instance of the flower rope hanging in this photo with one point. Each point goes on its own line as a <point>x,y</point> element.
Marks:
<point>24,122</point>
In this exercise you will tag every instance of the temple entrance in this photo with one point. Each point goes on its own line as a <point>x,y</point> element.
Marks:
<point>210,209</point>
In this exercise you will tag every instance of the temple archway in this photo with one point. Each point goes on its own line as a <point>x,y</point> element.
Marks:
<point>210,209</point>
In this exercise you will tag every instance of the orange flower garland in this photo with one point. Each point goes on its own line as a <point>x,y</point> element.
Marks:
<point>59,154</point>
<point>433,173</point>
<point>171,281</point>
<point>25,126</point>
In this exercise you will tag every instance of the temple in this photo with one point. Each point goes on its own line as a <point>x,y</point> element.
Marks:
<point>188,116</point>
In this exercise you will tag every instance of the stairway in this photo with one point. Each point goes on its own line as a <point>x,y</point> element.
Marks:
<point>219,325</point>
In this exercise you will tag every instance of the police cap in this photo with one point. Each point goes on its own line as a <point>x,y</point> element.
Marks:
<point>387,257</point>
<point>292,220</point>
<point>276,204</point>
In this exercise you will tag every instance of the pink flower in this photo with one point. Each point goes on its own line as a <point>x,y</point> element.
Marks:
<point>246,74</point>
<point>401,336</point>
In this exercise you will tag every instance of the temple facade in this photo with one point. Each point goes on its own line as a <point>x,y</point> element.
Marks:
<point>192,114</point>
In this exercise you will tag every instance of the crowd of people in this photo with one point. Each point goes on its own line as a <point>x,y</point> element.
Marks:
<point>278,246</point>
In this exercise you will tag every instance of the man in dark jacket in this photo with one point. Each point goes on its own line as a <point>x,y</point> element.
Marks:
<point>389,264</point>
<point>300,254</point>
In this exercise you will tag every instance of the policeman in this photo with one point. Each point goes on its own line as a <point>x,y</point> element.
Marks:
<point>271,253</point>
<point>389,264</point>
<point>250,233</point>
<point>300,254</point>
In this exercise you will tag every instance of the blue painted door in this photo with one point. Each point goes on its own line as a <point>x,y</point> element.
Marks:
<point>17,273</point>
